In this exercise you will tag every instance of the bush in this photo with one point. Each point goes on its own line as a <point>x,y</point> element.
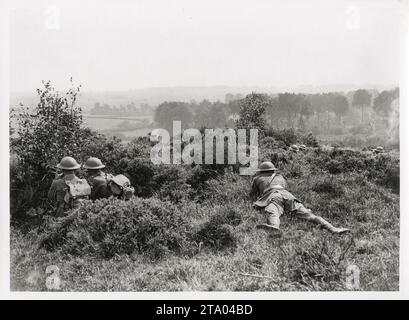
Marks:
<point>141,172</point>
<point>170,183</point>
<point>335,166</point>
<point>217,233</point>
<point>329,187</point>
<point>309,140</point>
<point>288,136</point>
<point>390,177</point>
<point>43,136</point>
<point>109,227</point>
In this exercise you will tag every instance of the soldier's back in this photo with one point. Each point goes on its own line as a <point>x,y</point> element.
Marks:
<point>264,182</point>
<point>58,192</point>
<point>99,186</point>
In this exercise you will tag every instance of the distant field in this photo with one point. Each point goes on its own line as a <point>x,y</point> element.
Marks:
<point>106,123</point>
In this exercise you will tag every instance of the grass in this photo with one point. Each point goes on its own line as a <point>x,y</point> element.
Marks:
<point>306,258</point>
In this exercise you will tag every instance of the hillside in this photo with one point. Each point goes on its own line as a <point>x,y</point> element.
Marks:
<point>192,227</point>
<point>349,188</point>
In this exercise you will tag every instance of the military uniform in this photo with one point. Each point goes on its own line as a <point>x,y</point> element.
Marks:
<point>99,186</point>
<point>58,191</point>
<point>97,179</point>
<point>275,199</point>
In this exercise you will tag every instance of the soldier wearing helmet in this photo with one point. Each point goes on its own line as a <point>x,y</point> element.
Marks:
<point>302,147</point>
<point>294,148</point>
<point>58,192</point>
<point>269,189</point>
<point>97,178</point>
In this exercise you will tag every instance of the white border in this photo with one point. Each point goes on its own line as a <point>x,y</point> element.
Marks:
<point>5,293</point>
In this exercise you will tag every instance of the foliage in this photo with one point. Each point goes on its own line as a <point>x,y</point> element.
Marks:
<point>108,227</point>
<point>217,233</point>
<point>201,218</point>
<point>382,103</point>
<point>210,115</point>
<point>167,112</point>
<point>382,168</point>
<point>288,136</point>
<point>329,187</point>
<point>252,109</point>
<point>340,106</point>
<point>43,136</point>
<point>224,250</point>
<point>361,97</point>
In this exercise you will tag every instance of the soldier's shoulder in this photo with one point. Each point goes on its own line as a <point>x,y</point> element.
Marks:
<point>100,179</point>
<point>58,180</point>
<point>280,178</point>
<point>58,183</point>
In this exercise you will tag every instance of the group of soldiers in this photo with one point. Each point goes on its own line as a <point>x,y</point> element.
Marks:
<point>68,190</point>
<point>269,191</point>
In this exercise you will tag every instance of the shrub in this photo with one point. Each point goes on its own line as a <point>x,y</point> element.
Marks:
<point>288,136</point>
<point>334,166</point>
<point>390,177</point>
<point>170,183</point>
<point>44,135</point>
<point>108,227</point>
<point>309,140</point>
<point>329,187</point>
<point>141,172</point>
<point>217,233</point>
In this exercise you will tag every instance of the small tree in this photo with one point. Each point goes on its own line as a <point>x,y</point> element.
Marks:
<point>43,135</point>
<point>252,109</point>
<point>361,99</point>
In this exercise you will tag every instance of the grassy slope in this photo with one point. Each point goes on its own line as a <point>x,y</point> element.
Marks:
<point>306,258</point>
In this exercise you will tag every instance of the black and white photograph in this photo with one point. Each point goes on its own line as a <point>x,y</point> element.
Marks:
<point>204,146</point>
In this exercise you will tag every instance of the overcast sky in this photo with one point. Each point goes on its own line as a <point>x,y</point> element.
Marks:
<point>126,45</point>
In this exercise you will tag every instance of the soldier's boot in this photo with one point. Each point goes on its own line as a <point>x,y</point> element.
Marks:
<point>325,224</point>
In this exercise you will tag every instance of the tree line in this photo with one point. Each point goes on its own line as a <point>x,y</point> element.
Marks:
<point>320,111</point>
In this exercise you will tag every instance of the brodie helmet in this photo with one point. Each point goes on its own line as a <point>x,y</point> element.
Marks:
<point>93,163</point>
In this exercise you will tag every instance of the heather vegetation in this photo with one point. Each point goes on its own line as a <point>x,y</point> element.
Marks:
<point>192,227</point>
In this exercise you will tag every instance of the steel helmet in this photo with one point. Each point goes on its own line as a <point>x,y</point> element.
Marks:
<point>266,166</point>
<point>93,163</point>
<point>68,163</point>
<point>294,148</point>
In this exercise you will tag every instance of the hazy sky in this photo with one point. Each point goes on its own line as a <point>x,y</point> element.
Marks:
<point>125,45</point>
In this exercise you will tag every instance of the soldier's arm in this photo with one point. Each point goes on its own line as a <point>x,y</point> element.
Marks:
<point>254,190</point>
<point>52,193</point>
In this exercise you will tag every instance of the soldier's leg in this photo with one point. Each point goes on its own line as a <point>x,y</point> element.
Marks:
<point>302,212</point>
<point>272,215</point>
